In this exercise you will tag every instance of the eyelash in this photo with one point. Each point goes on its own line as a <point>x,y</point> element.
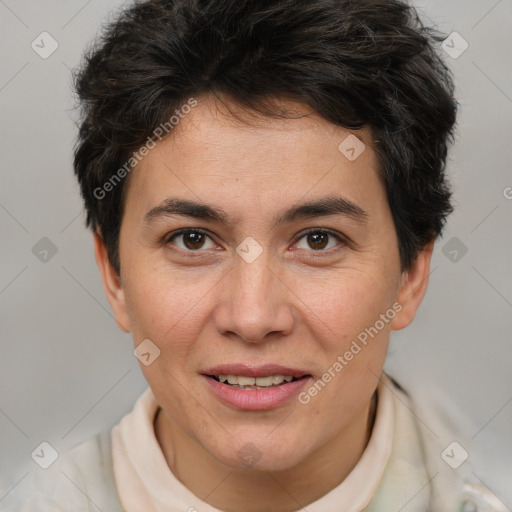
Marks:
<point>191,253</point>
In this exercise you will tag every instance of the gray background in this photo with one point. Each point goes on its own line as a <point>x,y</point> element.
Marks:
<point>66,369</point>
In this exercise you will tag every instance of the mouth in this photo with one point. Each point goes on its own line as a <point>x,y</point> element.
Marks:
<point>249,388</point>
<point>244,382</point>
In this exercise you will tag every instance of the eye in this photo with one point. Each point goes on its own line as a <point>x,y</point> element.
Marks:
<point>191,240</point>
<point>319,240</point>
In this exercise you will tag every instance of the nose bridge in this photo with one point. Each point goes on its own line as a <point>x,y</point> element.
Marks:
<point>255,303</point>
<point>252,281</point>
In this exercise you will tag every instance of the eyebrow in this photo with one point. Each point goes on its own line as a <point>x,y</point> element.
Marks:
<point>332,205</point>
<point>323,207</point>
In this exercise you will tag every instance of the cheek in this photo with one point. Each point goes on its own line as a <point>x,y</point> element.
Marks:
<point>358,310</point>
<point>353,351</point>
<point>343,305</point>
<point>170,309</point>
<point>164,305</point>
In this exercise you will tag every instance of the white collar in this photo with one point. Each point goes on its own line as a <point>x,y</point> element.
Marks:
<point>145,482</point>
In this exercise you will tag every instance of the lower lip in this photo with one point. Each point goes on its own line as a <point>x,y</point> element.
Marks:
<point>256,399</point>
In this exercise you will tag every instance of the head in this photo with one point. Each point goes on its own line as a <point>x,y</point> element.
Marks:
<point>302,147</point>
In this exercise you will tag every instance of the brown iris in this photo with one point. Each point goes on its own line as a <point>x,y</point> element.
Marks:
<point>193,240</point>
<point>318,241</point>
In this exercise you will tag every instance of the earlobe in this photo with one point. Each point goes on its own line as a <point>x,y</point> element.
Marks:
<point>111,284</point>
<point>413,286</point>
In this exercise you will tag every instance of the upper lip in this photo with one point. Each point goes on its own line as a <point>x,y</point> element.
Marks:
<point>246,370</point>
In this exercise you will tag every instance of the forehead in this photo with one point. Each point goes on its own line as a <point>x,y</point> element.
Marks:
<point>228,130</point>
<point>237,158</point>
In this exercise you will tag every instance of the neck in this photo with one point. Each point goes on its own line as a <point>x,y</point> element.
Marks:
<point>253,491</point>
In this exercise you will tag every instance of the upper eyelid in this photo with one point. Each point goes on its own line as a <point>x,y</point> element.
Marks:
<point>320,230</point>
<point>180,232</point>
<point>342,239</point>
<point>339,237</point>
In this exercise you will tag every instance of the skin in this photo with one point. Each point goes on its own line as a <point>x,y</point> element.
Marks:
<point>294,305</point>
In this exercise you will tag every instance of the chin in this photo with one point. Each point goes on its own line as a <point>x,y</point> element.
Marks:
<point>257,453</point>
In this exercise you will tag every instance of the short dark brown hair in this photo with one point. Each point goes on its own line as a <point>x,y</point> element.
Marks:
<point>366,63</point>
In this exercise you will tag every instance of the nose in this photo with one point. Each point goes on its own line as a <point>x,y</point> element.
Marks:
<point>255,303</point>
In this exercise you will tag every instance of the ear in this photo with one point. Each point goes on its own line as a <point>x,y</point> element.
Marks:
<point>413,285</point>
<point>111,284</point>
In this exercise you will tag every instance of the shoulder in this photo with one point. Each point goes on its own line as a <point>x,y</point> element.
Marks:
<point>442,438</point>
<point>81,479</point>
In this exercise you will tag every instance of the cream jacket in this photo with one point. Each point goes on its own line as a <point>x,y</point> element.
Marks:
<point>423,469</point>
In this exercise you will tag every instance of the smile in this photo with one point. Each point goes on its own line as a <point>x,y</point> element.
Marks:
<point>255,389</point>
<point>243,382</point>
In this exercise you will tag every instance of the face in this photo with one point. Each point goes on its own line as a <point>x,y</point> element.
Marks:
<point>260,251</point>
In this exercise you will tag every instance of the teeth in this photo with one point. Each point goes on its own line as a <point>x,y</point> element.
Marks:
<point>255,382</point>
<point>245,381</point>
<point>265,381</point>
<point>232,379</point>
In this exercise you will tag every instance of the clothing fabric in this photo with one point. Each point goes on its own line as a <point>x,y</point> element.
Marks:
<point>145,481</point>
<point>403,468</point>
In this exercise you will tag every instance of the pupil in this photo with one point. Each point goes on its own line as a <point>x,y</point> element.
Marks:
<point>317,240</point>
<point>194,240</point>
